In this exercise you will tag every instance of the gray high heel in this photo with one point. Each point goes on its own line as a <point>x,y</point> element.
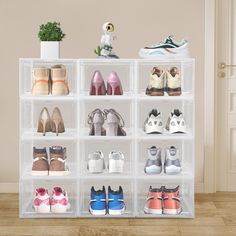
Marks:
<point>96,121</point>
<point>115,123</point>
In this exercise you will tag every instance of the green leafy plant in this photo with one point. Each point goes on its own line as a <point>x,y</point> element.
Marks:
<point>51,32</point>
<point>98,50</point>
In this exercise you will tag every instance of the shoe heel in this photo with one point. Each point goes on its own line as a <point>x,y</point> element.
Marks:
<point>97,87</point>
<point>112,129</point>
<point>97,129</point>
<point>111,89</point>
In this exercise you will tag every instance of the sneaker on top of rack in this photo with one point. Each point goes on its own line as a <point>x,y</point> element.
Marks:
<point>41,200</point>
<point>172,161</point>
<point>156,82</point>
<point>116,162</point>
<point>96,163</point>
<point>59,202</point>
<point>153,203</point>
<point>153,124</point>
<point>172,204</point>
<point>40,161</point>
<point>176,122</point>
<point>166,49</point>
<point>153,164</point>
<point>58,158</point>
<point>116,205</point>
<point>98,202</point>
<point>173,81</point>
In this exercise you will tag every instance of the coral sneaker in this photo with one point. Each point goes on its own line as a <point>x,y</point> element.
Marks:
<point>116,205</point>
<point>41,201</point>
<point>156,82</point>
<point>98,202</point>
<point>59,202</point>
<point>172,205</point>
<point>154,201</point>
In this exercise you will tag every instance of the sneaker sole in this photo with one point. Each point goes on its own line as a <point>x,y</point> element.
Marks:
<point>39,173</point>
<point>172,170</point>
<point>116,212</point>
<point>58,173</point>
<point>152,211</point>
<point>58,208</point>
<point>43,209</point>
<point>172,211</point>
<point>97,212</point>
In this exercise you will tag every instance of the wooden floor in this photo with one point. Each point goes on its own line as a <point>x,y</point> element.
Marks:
<point>215,215</point>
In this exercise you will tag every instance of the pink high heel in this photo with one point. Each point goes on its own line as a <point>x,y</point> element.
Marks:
<point>114,86</point>
<point>97,84</point>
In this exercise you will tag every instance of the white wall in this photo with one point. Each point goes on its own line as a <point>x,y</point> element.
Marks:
<point>137,23</point>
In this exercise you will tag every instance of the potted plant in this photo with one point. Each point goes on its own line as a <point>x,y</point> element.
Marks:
<point>50,35</point>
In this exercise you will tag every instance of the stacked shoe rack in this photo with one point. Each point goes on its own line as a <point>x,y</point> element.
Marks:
<point>134,107</point>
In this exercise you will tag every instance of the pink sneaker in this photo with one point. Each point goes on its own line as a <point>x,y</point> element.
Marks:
<point>114,86</point>
<point>97,86</point>
<point>41,201</point>
<point>59,202</point>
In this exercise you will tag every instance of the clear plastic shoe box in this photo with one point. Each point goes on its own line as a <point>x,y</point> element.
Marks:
<point>134,107</point>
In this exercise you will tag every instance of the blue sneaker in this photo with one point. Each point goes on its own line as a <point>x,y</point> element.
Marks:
<point>116,205</point>
<point>98,202</point>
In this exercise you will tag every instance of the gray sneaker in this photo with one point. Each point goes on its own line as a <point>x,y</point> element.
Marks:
<point>153,164</point>
<point>96,163</point>
<point>172,161</point>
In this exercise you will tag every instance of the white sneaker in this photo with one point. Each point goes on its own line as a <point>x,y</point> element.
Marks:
<point>60,202</point>
<point>173,80</point>
<point>176,122</point>
<point>96,163</point>
<point>116,162</point>
<point>41,201</point>
<point>172,161</point>
<point>153,124</point>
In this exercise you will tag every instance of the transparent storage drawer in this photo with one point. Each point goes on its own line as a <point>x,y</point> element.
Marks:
<point>186,154</point>
<point>30,112</point>
<point>186,68</point>
<point>85,190</point>
<point>186,191</point>
<point>123,68</point>
<point>166,107</point>
<point>27,190</point>
<point>27,80</point>
<point>106,146</point>
<point>124,108</point>
<point>26,157</point>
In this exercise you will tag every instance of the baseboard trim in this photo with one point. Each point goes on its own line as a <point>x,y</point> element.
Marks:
<point>14,187</point>
<point>9,187</point>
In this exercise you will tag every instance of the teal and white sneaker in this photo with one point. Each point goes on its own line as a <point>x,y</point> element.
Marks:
<point>166,49</point>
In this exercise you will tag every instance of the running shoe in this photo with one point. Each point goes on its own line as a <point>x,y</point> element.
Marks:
<point>156,82</point>
<point>153,124</point>
<point>98,202</point>
<point>172,161</point>
<point>176,122</point>
<point>96,163</point>
<point>153,203</point>
<point>116,205</point>
<point>173,81</point>
<point>166,49</point>
<point>172,204</point>
<point>60,202</point>
<point>41,200</point>
<point>153,164</point>
<point>116,162</point>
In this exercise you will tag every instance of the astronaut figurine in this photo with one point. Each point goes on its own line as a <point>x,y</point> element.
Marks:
<point>105,49</point>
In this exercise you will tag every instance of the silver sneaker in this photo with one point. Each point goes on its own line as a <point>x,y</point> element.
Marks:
<point>96,163</point>
<point>153,164</point>
<point>116,162</point>
<point>172,161</point>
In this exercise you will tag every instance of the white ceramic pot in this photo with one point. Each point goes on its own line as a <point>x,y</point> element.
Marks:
<point>50,50</point>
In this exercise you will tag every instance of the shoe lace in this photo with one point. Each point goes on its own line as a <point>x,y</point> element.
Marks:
<point>91,115</point>
<point>121,121</point>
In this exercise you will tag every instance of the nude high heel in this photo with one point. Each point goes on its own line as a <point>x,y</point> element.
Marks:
<point>44,124</point>
<point>57,122</point>
<point>114,86</point>
<point>115,123</point>
<point>96,121</point>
